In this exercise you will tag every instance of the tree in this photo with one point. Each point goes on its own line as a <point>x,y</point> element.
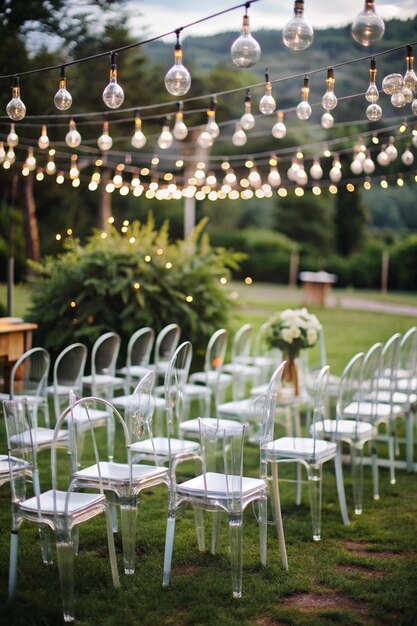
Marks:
<point>351,220</point>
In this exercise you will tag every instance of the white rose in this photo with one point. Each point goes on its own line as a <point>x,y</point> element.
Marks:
<point>295,331</point>
<point>288,315</point>
<point>287,335</point>
<point>311,336</point>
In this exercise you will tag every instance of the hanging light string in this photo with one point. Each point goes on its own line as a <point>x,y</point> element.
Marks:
<point>131,45</point>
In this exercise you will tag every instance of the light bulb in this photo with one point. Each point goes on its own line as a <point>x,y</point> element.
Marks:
<point>245,49</point>
<point>316,171</point>
<point>254,178</point>
<point>30,162</point>
<point>62,98</point>
<point>274,178</point>
<point>392,83</point>
<point>293,169</point>
<point>2,152</point>
<point>180,131</point>
<point>297,34</point>
<point>73,137</point>
<point>165,139</point>
<point>329,100</point>
<point>356,166</point>
<point>327,120</point>
<point>301,177</point>
<point>74,171</point>
<point>105,142</point>
<point>407,157</point>
<point>50,166</point>
<point>303,110</point>
<point>410,77</point>
<point>239,136</point>
<point>43,141</point>
<point>212,126</point>
<point>16,110</point>
<point>398,100</point>
<point>178,78</point>
<point>138,140</point>
<point>113,94</point>
<point>414,106</point>
<point>12,138</point>
<point>247,120</point>
<point>372,93</point>
<point>382,157</point>
<point>368,165</point>
<point>211,180</point>
<point>407,94</point>
<point>368,27</point>
<point>205,139</point>
<point>374,112</point>
<point>335,174</point>
<point>10,156</point>
<point>267,103</point>
<point>279,130</point>
<point>391,151</point>
<point>230,177</point>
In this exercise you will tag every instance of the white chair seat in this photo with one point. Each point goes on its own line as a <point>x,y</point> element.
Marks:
<point>122,402</point>
<point>63,502</point>
<point>398,397</point>
<point>191,426</point>
<point>301,447</point>
<point>61,390</point>
<point>31,399</point>
<point>40,436</point>
<point>136,371</point>
<point>120,472</point>
<point>159,446</point>
<point>214,485</point>
<point>239,409</point>
<point>379,410</point>
<point>350,429</point>
<point>103,379</point>
<point>211,379</point>
<point>81,416</point>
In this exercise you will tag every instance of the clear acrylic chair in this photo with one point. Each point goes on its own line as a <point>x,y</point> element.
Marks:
<point>240,366</point>
<point>102,380</point>
<point>67,375</point>
<point>58,510</point>
<point>124,480</point>
<point>138,355</point>
<point>29,379</point>
<point>311,453</point>
<point>220,487</point>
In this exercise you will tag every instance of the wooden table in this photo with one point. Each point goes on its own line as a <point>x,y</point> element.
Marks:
<point>15,339</point>
<point>316,287</point>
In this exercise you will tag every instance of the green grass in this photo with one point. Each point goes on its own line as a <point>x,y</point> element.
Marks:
<point>373,585</point>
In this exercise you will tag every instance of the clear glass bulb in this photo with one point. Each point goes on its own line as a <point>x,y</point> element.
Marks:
<point>368,165</point>
<point>254,178</point>
<point>329,100</point>
<point>303,110</point>
<point>356,167</point>
<point>50,166</point>
<point>113,94</point>
<point>327,120</point>
<point>62,98</point>
<point>138,140</point>
<point>392,83</point>
<point>292,170</point>
<point>230,177</point>
<point>245,50</point>
<point>383,158</point>
<point>2,152</point>
<point>297,34</point>
<point>316,171</point>
<point>239,136</point>
<point>212,126</point>
<point>301,177</point>
<point>374,112</point>
<point>335,174</point>
<point>414,106</point>
<point>407,94</point>
<point>105,142</point>
<point>368,27</point>
<point>180,131</point>
<point>274,178</point>
<point>267,103</point>
<point>279,130</point>
<point>178,78</point>
<point>410,79</point>
<point>43,141</point>
<point>165,139</point>
<point>30,160</point>
<point>10,156</point>
<point>16,110</point>
<point>12,138</point>
<point>73,137</point>
<point>391,151</point>
<point>398,100</point>
<point>247,120</point>
<point>372,93</point>
<point>205,139</point>
<point>407,157</point>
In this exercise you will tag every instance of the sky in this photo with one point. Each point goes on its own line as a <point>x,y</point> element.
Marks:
<point>155,17</point>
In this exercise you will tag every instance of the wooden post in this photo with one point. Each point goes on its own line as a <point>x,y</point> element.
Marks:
<point>294,261</point>
<point>384,271</point>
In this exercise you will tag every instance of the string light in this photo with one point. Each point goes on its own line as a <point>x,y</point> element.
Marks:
<point>245,50</point>
<point>297,34</point>
<point>138,140</point>
<point>50,166</point>
<point>239,136</point>
<point>391,151</point>
<point>373,111</point>
<point>2,152</point>
<point>113,94</point>
<point>30,160</point>
<point>180,131</point>
<point>165,139</point>
<point>407,156</point>
<point>73,137</point>
<point>329,100</point>
<point>74,171</point>
<point>316,171</point>
<point>12,138</point>
<point>368,27</point>
<point>43,141</point>
<point>178,78</point>
<point>105,142</point>
<point>303,110</point>
<point>279,130</point>
<point>410,77</point>
<point>327,120</point>
<point>62,98</point>
<point>267,103</point>
<point>212,126</point>
<point>247,120</point>
<point>15,109</point>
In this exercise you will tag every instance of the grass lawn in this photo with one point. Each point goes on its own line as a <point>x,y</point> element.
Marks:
<point>362,574</point>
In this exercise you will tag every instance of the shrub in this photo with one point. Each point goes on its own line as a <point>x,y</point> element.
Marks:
<point>123,282</point>
<point>403,265</point>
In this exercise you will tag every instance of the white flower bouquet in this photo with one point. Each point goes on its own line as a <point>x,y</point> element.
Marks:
<point>292,330</point>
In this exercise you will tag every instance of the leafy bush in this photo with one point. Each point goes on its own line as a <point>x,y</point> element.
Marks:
<point>403,265</point>
<point>123,282</point>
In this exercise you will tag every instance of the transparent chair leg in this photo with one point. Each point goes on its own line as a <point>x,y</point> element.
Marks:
<point>391,453</point>
<point>409,433</point>
<point>75,539</point>
<point>112,550</point>
<point>278,516</point>
<point>199,528</point>
<point>169,545</point>
<point>45,537</point>
<point>375,474</point>
<point>263,520</point>
<point>236,549</point>
<point>110,437</point>
<point>215,531</point>
<point>128,517</point>
<point>341,487</point>
<point>298,484</point>
<point>111,499</point>
<point>14,540</point>
<point>65,558</point>
<point>315,489</point>
<point>357,477</point>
